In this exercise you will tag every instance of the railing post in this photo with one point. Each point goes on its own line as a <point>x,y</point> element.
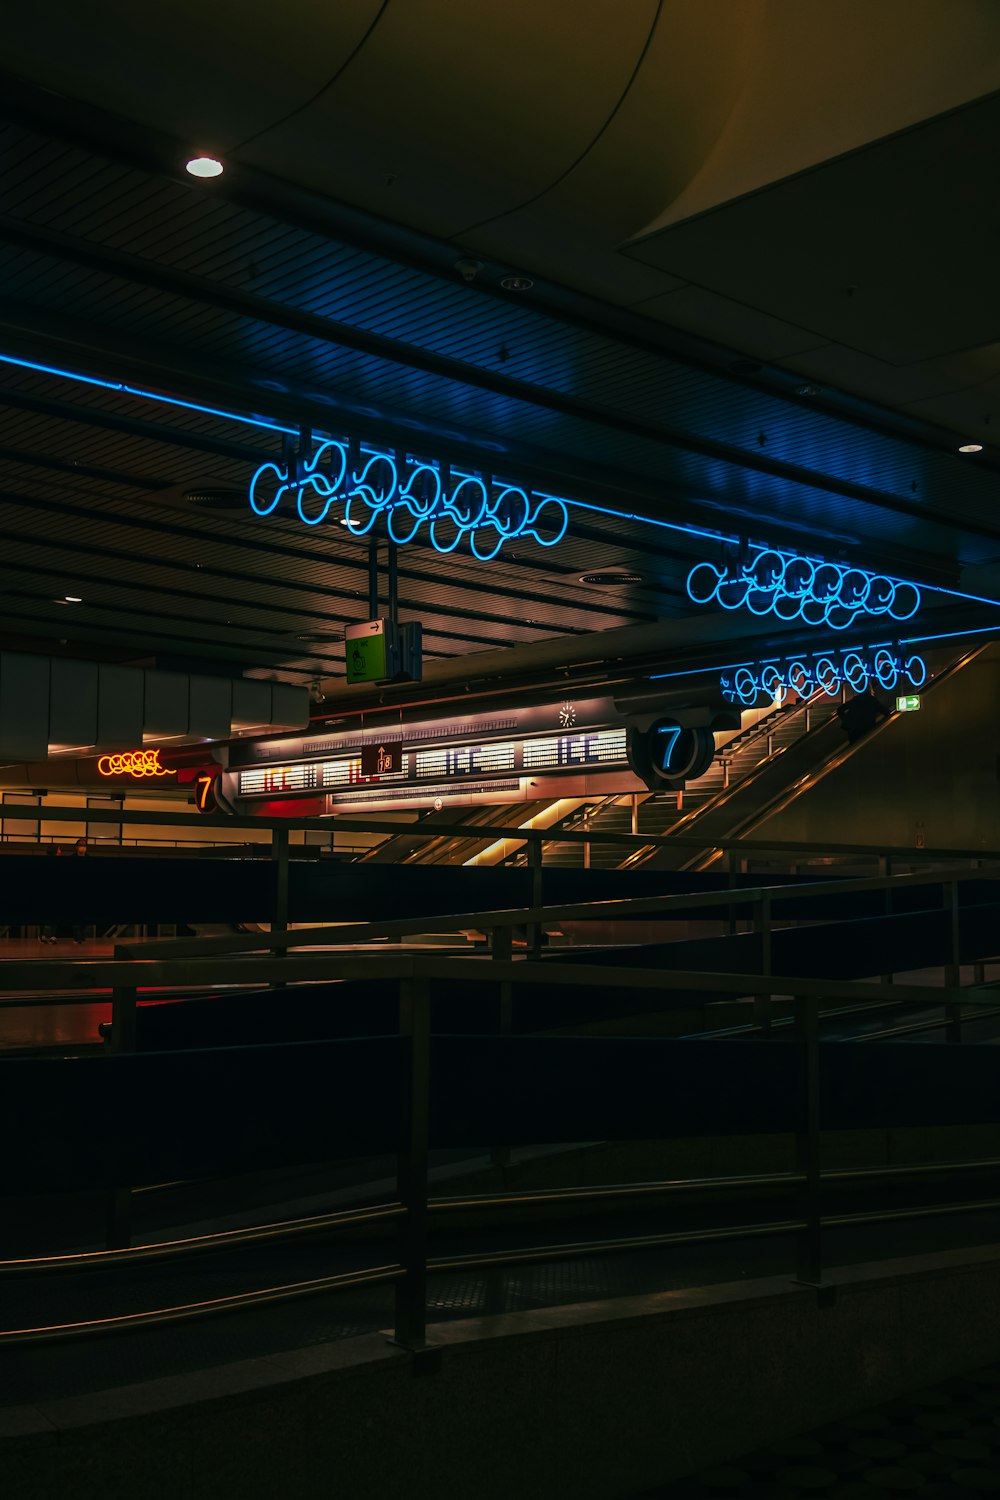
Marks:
<point>279,857</point>
<point>762,924</point>
<point>501,952</point>
<point>953,970</point>
<point>411,1291</point>
<point>883,871</point>
<point>807,1143</point>
<point>534,933</point>
<point>118,1232</point>
<point>733,872</point>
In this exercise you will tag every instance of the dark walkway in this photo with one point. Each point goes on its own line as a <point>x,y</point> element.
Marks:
<point>942,1443</point>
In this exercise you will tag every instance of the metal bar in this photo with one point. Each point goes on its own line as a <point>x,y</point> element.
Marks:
<point>807,1148</point>
<point>614,1191</point>
<point>279,919</point>
<point>610,1247</point>
<point>200,1244</point>
<point>411,1293</point>
<point>373,577</point>
<point>500,942</point>
<point>913,1028</point>
<point>118,1215</point>
<point>40,974</point>
<point>534,930</point>
<point>393,570</point>
<point>189,1311</point>
<point>762,924</point>
<point>369,825</point>
<point>927,1211</point>
<point>953,970</point>
<point>608,910</point>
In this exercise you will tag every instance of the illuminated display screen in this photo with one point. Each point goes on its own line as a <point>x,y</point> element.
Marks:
<point>556,754</point>
<point>464,760</point>
<point>563,752</point>
<point>262,781</point>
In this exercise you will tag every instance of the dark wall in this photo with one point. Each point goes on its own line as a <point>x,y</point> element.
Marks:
<point>932,775</point>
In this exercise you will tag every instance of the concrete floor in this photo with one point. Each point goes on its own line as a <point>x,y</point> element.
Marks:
<point>941,1443</point>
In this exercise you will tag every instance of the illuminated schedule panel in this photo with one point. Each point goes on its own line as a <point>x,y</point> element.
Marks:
<point>564,751</point>
<point>447,765</point>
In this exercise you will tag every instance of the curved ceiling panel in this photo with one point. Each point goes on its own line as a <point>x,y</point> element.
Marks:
<point>690,80</point>
<point>452,113</point>
<point>827,79</point>
<point>222,71</point>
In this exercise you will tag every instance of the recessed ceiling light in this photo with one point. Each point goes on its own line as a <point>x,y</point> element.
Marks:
<point>971,448</point>
<point>517,283</point>
<point>72,599</point>
<point>204,166</point>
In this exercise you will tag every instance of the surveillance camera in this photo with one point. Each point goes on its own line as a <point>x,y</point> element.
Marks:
<point>468,269</point>
<point>316,692</point>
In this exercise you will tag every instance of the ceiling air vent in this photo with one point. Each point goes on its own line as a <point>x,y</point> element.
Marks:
<point>206,498</point>
<point>610,580</point>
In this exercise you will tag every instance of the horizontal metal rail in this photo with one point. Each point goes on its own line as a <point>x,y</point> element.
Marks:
<point>581,911</point>
<point>338,824</point>
<point>574,1249</point>
<point>41,974</point>
<point>269,1296</point>
<point>295,1229</point>
<point>201,1244</point>
<point>614,1192</point>
<point>189,1311</point>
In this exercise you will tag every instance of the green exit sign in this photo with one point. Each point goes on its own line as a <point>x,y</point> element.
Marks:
<point>365,647</point>
<point>908,705</point>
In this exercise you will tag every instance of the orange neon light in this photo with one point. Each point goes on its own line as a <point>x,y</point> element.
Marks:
<point>204,785</point>
<point>136,763</point>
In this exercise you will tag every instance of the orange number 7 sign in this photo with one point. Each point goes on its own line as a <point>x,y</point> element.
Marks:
<point>204,800</point>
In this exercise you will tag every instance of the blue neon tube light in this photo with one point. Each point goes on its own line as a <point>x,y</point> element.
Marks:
<point>828,671</point>
<point>790,596</point>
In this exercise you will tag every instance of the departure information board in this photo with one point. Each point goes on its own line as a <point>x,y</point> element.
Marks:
<point>447,765</point>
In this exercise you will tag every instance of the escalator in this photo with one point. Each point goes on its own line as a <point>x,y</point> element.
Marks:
<point>764,736</point>
<point>777,780</point>
<point>449,849</point>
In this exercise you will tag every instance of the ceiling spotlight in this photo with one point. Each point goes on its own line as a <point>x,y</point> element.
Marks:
<point>971,448</point>
<point>517,283</point>
<point>204,166</point>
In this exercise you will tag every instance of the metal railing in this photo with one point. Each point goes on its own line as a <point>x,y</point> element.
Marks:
<point>739,850</point>
<point>271,958</point>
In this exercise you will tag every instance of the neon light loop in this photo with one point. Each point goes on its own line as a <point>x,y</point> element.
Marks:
<point>791,587</point>
<point>886,665</point>
<point>486,513</point>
